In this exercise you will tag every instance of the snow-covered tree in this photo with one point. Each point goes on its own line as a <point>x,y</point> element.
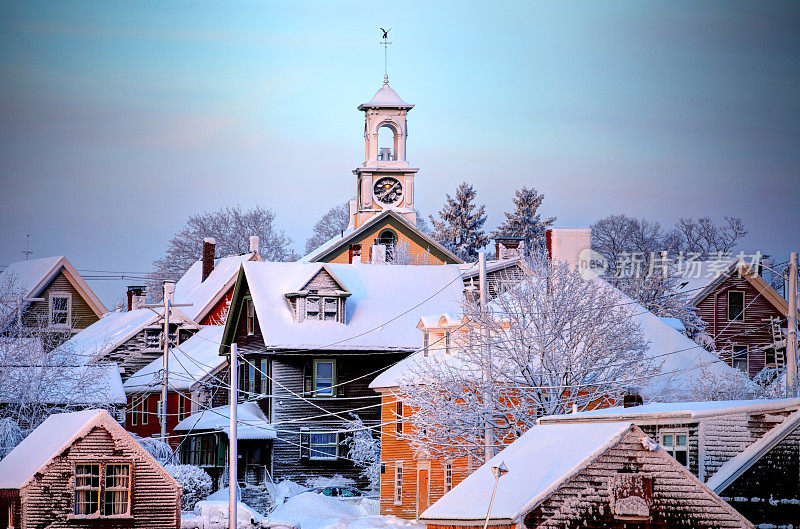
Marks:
<point>332,223</point>
<point>10,435</point>
<point>633,250</point>
<point>525,220</point>
<point>365,450</point>
<point>706,237</point>
<point>157,448</point>
<point>550,341</point>
<point>194,481</point>
<point>460,224</point>
<point>232,228</point>
<point>39,374</point>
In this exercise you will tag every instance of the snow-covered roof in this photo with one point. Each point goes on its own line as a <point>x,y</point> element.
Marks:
<point>32,276</point>
<point>204,295</point>
<point>385,98</point>
<point>350,233</point>
<point>252,423</point>
<point>472,270</point>
<point>699,275</point>
<point>382,311</point>
<point>733,468</point>
<point>538,462</point>
<point>57,433</point>
<point>680,358</point>
<point>189,363</point>
<point>115,328</point>
<point>448,319</point>
<point>676,410</point>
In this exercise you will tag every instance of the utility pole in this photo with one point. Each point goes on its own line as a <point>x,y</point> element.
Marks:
<point>791,320</point>
<point>232,448</point>
<point>488,444</point>
<point>169,294</point>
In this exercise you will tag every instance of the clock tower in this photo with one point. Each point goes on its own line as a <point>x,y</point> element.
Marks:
<point>385,180</point>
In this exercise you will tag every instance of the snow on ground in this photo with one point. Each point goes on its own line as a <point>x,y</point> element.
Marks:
<point>315,511</point>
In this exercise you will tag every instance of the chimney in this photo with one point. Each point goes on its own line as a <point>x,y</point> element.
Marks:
<point>254,244</point>
<point>632,397</point>
<point>136,297</point>
<point>169,290</point>
<point>509,247</point>
<point>208,257</point>
<point>565,245</point>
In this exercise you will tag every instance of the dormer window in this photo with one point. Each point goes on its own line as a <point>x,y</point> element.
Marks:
<point>320,298</point>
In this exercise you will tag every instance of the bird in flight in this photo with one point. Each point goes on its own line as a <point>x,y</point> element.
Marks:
<point>386,32</point>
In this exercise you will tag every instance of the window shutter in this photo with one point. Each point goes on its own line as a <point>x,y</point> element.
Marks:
<point>305,444</point>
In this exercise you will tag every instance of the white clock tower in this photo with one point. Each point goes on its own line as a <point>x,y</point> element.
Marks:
<point>385,180</point>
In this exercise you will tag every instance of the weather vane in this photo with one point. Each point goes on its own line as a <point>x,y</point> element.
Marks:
<point>385,42</point>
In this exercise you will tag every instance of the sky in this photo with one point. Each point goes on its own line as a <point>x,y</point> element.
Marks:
<point>119,120</point>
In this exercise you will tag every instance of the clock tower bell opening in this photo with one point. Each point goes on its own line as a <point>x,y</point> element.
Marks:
<point>385,180</point>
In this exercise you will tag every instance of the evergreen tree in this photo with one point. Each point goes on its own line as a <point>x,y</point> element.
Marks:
<point>460,228</point>
<point>526,221</point>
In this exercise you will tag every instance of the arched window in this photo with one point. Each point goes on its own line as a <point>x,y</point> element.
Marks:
<point>388,238</point>
<point>387,143</point>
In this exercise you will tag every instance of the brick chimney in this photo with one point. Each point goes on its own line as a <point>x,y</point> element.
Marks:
<point>566,244</point>
<point>208,257</point>
<point>632,397</point>
<point>509,247</point>
<point>136,296</point>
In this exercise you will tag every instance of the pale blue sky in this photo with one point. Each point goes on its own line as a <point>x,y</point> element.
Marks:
<point>119,120</point>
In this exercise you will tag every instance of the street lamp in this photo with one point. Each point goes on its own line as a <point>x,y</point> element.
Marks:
<point>498,471</point>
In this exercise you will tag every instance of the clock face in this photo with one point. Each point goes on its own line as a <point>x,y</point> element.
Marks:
<point>388,190</point>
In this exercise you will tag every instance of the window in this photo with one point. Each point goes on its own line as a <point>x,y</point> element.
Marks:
<point>448,476</point>
<point>200,450</point>
<point>264,388</point>
<point>740,358</point>
<point>735,305</point>
<point>152,339</point>
<point>117,493</point>
<point>389,239</point>
<point>183,407</point>
<point>323,446</point>
<point>87,489</point>
<point>134,411</point>
<point>677,445</point>
<point>398,483</point>
<point>251,316</point>
<point>145,411</point>
<point>447,341</point>
<point>324,378</point>
<point>60,308</point>
<point>426,342</point>
<point>399,413</point>
<point>251,378</point>
<point>326,308</point>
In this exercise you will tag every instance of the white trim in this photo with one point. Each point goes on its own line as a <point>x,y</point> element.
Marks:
<point>50,297</point>
<point>398,484</point>
<point>671,450</point>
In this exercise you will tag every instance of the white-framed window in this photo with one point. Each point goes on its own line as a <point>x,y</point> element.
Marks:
<point>152,339</point>
<point>324,378</point>
<point>426,342</point>
<point>448,476</point>
<point>447,342</point>
<point>60,309</point>
<point>326,308</point>
<point>398,483</point>
<point>183,407</point>
<point>735,305</point>
<point>145,410</point>
<point>676,444</point>
<point>741,358</point>
<point>323,446</point>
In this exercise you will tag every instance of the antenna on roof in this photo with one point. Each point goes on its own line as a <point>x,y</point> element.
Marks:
<point>27,251</point>
<point>385,42</point>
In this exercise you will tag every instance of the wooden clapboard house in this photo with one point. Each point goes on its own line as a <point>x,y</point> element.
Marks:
<point>311,336</point>
<point>743,314</point>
